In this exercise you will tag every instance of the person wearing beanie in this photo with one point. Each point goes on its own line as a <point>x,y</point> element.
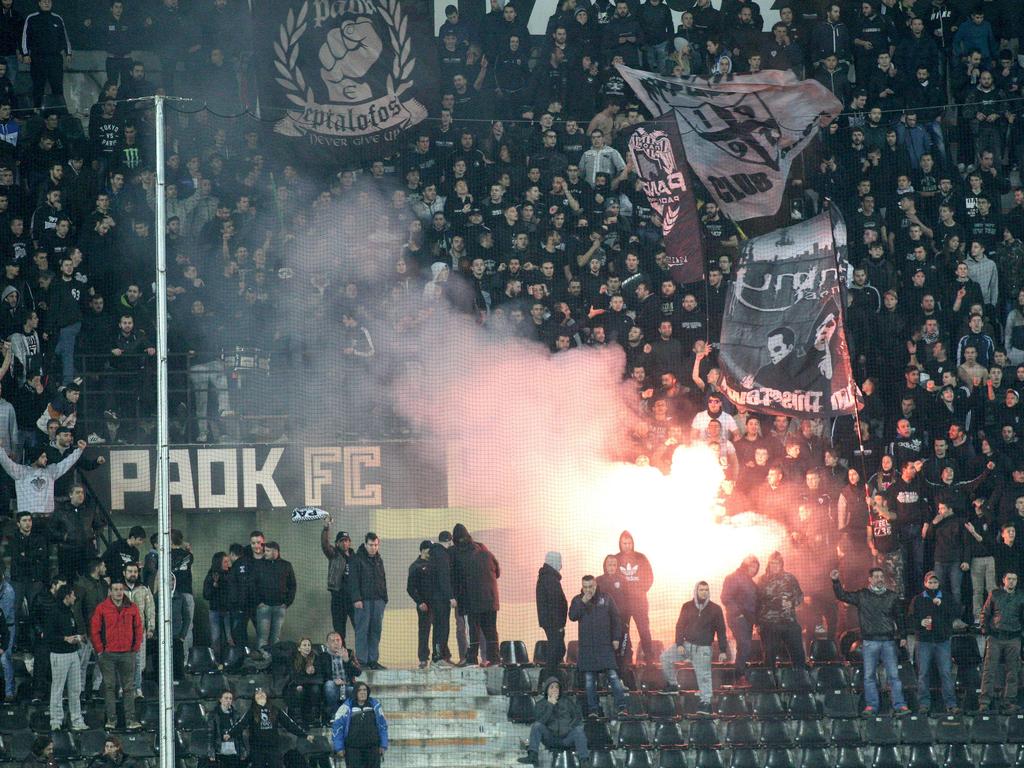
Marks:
<point>700,623</point>
<point>552,609</point>
<point>440,597</point>
<point>558,724</point>
<point>417,586</point>
<point>33,483</point>
<point>933,614</point>
<point>338,555</point>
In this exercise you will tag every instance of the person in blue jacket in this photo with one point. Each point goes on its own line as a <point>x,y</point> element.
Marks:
<point>359,730</point>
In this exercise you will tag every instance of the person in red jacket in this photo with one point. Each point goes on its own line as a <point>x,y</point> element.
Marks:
<point>116,634</point>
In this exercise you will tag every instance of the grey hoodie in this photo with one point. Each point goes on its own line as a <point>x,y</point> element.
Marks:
<point>34,485</point>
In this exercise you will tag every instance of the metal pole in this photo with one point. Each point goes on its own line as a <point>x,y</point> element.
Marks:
<point>165,671</point>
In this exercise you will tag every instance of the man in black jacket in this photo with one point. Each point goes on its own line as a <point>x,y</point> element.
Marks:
<point>368,588</point>
<point>240,594</point>
<point>30,566</point>
<point>551,611</point>
<point>440,596</point>
<point>881,626</point>
<point>600,630</point>
<point>338,555</point>
<point>557,724</point>
<point>417,587</point>
<point>700,623</point>
<point>64,638</point>
<point>933,614</point>
<point>39,613</point>
<point>74,527</point>
<point>274,580</point>
<point>476,574</point>
<point>45,47</point>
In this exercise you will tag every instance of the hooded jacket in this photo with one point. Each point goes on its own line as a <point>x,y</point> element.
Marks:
<point>881,617</point>
<point>739,595</point>
<point>475,573</point>
<point>367,579</point>
<point>551,603</point>
<point>439,575</point>
<point>700,623</point>
<point>561,717</point>
<point>599,626</point>
<point>636,572</point>
<point>351,718</point>
<point>780,585</point>
<point>934,604</point>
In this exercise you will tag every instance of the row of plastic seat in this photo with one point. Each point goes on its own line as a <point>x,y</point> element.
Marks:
<point>17,746</point>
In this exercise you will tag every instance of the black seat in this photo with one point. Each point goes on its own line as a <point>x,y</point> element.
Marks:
<point>849,757</point>
<point>880,731</point>
<point>564,758</point>
<point>138,745</point>
<point>18,745</point>
<point>840,706</point>
<point>740,733</point>
<point>703,734</point>
<point>732,705</point>
<point>632,735</point>
<point>964,649</point>
<point>185,690</point>
<point>13,719</point>
<point>708,758</point>
<point>744,757</point>
<point>994,756</point>
<point>211,685</point>
<point>922,756</point>
<point>824,651</point>
<point>668,758</point>
<point>778,757</point>
<point>64,746</point>
<point>235,658</point>
<point>668,735</point>
<point>183,745</point>
<point>638,758</point>
<point>809,734</point>
<point>768,706</point>
<point>774,733</point>
<point>663,706</point>
<point>887,756</point>
<point>795,680</point>
<point>148,711</point>
<point>540,652</point>
<point>831,678</point>
<point>952,729</point>
<point>1018,761</point>
<point>520,708</point>
<point>515,680</point>
<point>992,729</point>
<point>636,706</point>
<point>91,742</point>
<point>846,733</point>
<point>804,706</point>
<point>814,757</point>
<point>916,730</point>
<point>513,653</point>
<point>761,679</point>
<point>603,758</point>
<point>190,716</point>
<point>957,756</point>
<point>598,736</point>
<point>201,660</point>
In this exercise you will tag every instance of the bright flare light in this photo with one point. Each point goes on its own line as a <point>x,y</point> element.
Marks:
<point>676,521</point>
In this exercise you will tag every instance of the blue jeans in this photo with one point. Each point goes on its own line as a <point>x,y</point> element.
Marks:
<point>618,690</point>
<point>269,620</point>
<point>369,621</point>
<point>65,350</point>
<point>333,695</point>
<point>940,652</point>
<point>884,651</point>
<point>220,632</point>
<point>7,662</point>
<point>240,627</point>
<point>743,633</point>
<point>655,57</point>
<point>934,128</point>
<point>540,733</point>
<point>951,580</point>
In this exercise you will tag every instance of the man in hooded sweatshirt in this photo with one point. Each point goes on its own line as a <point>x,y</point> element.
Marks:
<point>476,575</point>
<point>778,596</point>
<point>552,609</point>
<point>637,578</point>
<point>700,623</point>
<point>933,614</point>
<point>739,598</point>
<point>33,483</point>
<point>557,723</point>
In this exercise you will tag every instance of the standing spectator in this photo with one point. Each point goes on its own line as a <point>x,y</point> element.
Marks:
<point>476,573</point>
<point>1002,620</point>
<point>12,23</point>
<point>657,31</point>
<point>124,551</point>
<point>39,614</point>
<point>275,592</point>
<point>933,616</point>
<point>215,593</point>
<point>416,586</point>
<point>359,732</point>
<point>181,566</point>
<point>739,598</point>
<point>64,637</point>
<point>981,531</point>
<point>91,589</point>
<point>338,670</point>
<point>700,623</point>
<point>338,556</point>
<point>74,527</point>
<point>557,723</point>
<point>441,596</point>
<point>33,483</point>
<point>368,589</point>
<point>264,723</point>
<point>637,578</point>
<point>116,634</point>
<point>600,630</point>
<point>45,47</point>
<point>881,626</point>
<point>947,532</point>
<point>7,619</point>
<point>241,594</point>
<point>778,596</point>
<point>141,596</point>
<point>30,568</point>
<point>552,609</point>
<point>223,748</point>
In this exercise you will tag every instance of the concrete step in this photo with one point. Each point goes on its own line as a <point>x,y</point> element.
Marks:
<point>433,731</point>
<point>454,757</point>
<point>423,706</point>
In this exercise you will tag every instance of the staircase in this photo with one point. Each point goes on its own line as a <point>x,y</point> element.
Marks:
<point>446,718</point>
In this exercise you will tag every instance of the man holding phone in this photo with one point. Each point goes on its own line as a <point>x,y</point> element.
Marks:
<point>64,637</point>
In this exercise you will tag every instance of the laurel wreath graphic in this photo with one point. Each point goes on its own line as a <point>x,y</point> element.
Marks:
<point>286,51</point>
<point>669,220</point>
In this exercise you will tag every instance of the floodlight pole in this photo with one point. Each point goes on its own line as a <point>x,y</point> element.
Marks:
<point>165,633</point>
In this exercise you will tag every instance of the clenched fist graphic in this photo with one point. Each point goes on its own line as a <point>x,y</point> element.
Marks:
<point>346,56</point>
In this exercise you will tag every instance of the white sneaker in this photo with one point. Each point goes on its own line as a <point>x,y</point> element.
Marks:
<point>94,439</point>
<point>202,438</point>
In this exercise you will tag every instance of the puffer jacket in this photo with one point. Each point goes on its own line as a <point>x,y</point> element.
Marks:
<point>560,717</point>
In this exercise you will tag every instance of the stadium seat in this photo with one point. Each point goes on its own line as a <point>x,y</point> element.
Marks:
<point>775,733</point>
<point>1014,729</point>
<point>880,731</point>
<point>846,733</point>
<point>540,650</point>
<point>703,734</point>
<point>246,685</point>
<point>708,758</point>
<point>916,730</point>
<point>148,711</point>
<point>90,742</point>
<point>183,746</point>
<point>520,708</point>
<point>190,716</point>
<point>778,757</point>
<point>632,735</point>
<point>732,705</point>
<point>139,746</point>
<point>814,757</point>
<point>922,756</point>
<point>686,679</point>
<point>564,758</point>
<point>18,745</point>
<point>952,729</point>
<point>636,706</point>
<point>185,690</point>
<point>598,736</point>
<point>957,756</point>
<point>823,651</point>
<point>849,757</point>
<point>809,734</point>
<point>649,677</point>
<point>768,706</point>
<point>740,733</point>
<point>994,756</point>
<point>663,706</point>
<point>761,679</point>
<point>13,719</point>
<point>795,680</point>
<point>638,758</point>
<point>604,758</point>
<point>668,735</point>
<point>200,660</point>
<point>211,685</point>
<point>887,756</point>
<point>831,678</point>
<point>64,745</point>
<point>513,653</point>
<point>744,757</point>
<point>991,729</point>
<point>235,658</point>
<point>842,705</point>
<point>964,650</point>
<point>804,706</point>
<point>39,720</point>
<point>670,758</point>
<point>1018,761</point>
<point>515,680</point>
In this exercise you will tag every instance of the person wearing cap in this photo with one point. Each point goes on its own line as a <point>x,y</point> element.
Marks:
<point>338,555</point>
<point>440,597</point>
<point>33,483</point>
<point>933,613</point>
<point>417,587</point>
<point>552,610</point>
